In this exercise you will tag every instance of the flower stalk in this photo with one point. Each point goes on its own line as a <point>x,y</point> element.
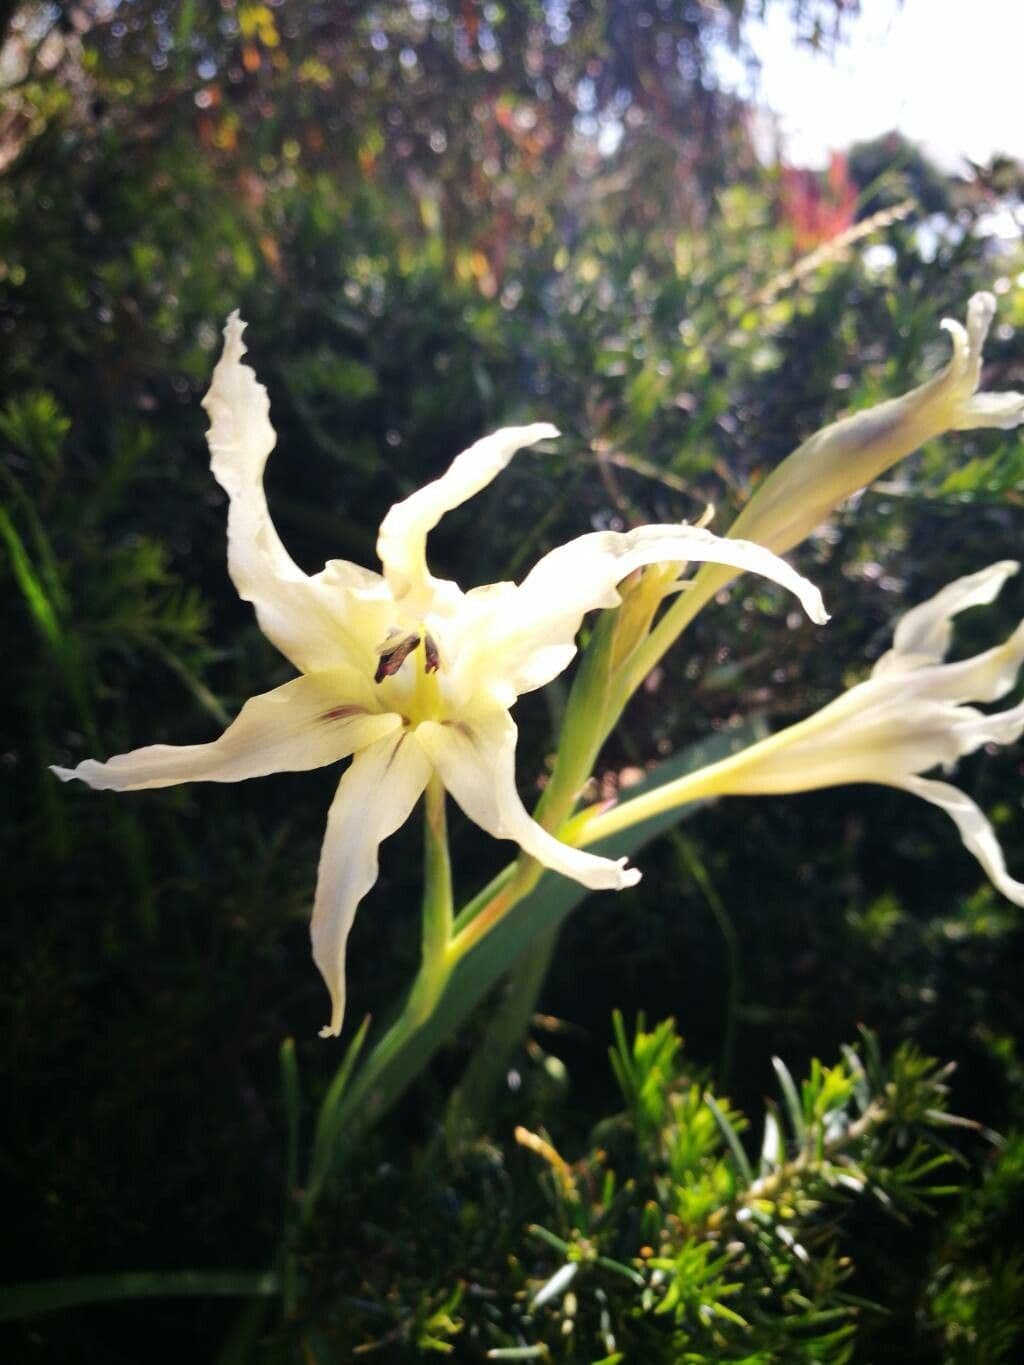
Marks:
<point>438,910</point>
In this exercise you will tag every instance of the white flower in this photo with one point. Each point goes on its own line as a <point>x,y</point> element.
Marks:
<point>847,455</point>
<point>402,670</point>
<point>803,491</point>
<point>908,717</point>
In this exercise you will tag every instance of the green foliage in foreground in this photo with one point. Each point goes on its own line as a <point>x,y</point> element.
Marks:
<point>678,1234</point>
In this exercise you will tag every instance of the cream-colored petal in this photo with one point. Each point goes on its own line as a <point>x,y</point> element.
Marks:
<point>923,634</point>
<point>530,637</point>
<point>309,620</point>
<point>1002,410</point>
<point>975,728</point>
<point>402,540</point>
<point>985,677</point>
<point>803,491</point>
<point>863,736</point>
<point>374,798</point>
<point>977,833</point>
<point>307,723</point>
<point>476,763</point>
<point>969,341</point>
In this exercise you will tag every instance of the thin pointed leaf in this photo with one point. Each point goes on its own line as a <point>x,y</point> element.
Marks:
<point>557,1243</point>
<point>626,1271</point>
<point>290,1090</point>
<point>792,1100</point>
<point>36,599</point>
<point>772,1143</point>
<point>557,1285</point>
<point>330,1117</point>
<point>732,1138</point>
<point>861,1088</point>
<point>47,1296</point>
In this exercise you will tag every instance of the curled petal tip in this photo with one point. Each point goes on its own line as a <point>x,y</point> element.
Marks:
<point>981,309</point>
<point>815,607</point>
<point>65,774</point>
<point>628,876</point>
<point>233,329</point>
<point>543,431</point>
<point>329,1031</point>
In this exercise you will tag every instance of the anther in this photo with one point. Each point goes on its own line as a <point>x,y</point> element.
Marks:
<point>394,656</point>
<point>433,659</point>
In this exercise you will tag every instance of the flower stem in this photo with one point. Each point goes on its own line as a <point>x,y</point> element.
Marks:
<point>438,909</point>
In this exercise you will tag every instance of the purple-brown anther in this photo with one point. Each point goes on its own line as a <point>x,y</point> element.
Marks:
<point>391,660</point>
<point>433,659</point>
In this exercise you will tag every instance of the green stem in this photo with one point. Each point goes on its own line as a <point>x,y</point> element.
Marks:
<point>360,1102</point>
<point>438,908</point>
<point>696,595</point>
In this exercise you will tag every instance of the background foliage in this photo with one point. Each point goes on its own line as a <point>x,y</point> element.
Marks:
<point>438,219</point>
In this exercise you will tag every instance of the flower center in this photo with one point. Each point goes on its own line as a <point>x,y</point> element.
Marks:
<point>394,651</point>
<point>422,698</point>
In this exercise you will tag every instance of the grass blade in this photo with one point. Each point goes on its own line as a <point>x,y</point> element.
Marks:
<point>47,1296</point>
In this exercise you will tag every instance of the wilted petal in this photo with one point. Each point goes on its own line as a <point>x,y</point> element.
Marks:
<point>476,763</point>
<point>307,723</point>
<point>402,541</point>
<point>375,797</point>
<point>307,619</point>
<point>977,833</point>
<point>531,637</point>
<point>923,635</point>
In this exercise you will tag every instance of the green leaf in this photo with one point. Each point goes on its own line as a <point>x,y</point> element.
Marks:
<point>794,1108</point>
<point>28,581</point>
<point>732,1138</point>
<point>47,1296</point>
<point>330,1117</point>
<point>772,1145</point>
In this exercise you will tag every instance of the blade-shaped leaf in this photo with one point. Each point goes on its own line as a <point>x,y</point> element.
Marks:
<point>46,1296</point>
<point>731,1136</point>
<point>794,1108</point>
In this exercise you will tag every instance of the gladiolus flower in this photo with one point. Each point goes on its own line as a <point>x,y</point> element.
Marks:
<point>402,670</point>
<point>908,717</point>
<point>805,489</point>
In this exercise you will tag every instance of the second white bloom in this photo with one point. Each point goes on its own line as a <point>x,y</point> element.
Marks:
<point>908,717</point>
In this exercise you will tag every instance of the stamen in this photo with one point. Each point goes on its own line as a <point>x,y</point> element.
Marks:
<point>433,659</point>
<point>391,660</point>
